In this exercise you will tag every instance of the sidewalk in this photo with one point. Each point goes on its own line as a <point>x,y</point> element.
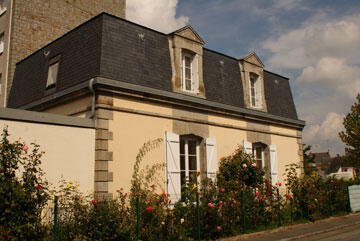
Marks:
<point>301,231</point>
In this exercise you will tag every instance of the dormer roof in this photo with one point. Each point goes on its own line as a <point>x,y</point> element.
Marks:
<point>252,58</point>
<point>189,33</point>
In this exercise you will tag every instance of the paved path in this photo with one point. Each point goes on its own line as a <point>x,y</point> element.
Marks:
<point>339,228</point>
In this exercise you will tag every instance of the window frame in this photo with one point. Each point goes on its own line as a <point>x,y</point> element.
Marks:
<point>52,62</point>
<point>254,84</point>
<point>193,78</point>
<point>186,154</point>
<point>2,42</point>
<point>254,153</point>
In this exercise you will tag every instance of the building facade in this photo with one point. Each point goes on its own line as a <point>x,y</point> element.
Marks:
<point>26,26</point>
<point>139,85</point>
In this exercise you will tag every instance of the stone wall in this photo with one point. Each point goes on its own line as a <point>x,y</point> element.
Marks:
<point>38,22</point>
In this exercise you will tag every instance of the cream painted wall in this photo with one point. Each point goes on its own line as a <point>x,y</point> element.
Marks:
<point>130,132</point>
<point>73,108</point>
<point>227,140</point>
<point>69,151</point>
<point>287,153</point>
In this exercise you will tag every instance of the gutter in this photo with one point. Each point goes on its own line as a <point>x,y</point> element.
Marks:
<point>175,96</point>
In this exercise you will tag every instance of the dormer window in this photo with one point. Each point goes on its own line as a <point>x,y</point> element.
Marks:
<point>189,78</point>
<point>53,70</point>
<point>255,91</point>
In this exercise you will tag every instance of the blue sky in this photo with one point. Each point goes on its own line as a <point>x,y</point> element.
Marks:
<point>316,43</point>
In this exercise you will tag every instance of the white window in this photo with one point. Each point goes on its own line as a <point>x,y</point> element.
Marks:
<point>2,43</point>
<point>183,162</point>
<point>189,161</point>
<point>52,74</point>
<point>3,6</point>
<point>258,154</point>
<point>189,73</point>
<point>255,91</point>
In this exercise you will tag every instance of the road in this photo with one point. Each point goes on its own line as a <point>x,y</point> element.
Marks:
<point>339,228</point>
<point>350,233</point>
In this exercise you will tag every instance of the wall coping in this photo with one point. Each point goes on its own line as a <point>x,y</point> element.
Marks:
<point>45,118</point>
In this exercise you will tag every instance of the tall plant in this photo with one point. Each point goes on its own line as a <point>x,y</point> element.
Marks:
<point>23,190</point>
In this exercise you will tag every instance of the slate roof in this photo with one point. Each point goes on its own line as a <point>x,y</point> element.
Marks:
<point>110,47</point>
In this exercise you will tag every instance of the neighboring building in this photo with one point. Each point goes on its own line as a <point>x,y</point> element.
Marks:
<point>26,26</point>
<point>345,172</point>
<point>328,166</point>
<point>139,85</point>
<point>322,162</point>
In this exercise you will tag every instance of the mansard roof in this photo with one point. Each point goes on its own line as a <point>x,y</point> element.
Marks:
<point>113,48</point>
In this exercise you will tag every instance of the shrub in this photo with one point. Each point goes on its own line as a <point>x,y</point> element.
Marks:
<point>23,191</point>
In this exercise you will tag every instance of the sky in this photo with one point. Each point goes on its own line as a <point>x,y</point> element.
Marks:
<point>315,43</point>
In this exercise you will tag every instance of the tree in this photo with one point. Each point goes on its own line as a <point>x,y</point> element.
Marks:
<point>351,135</point>
<point>309,160</point>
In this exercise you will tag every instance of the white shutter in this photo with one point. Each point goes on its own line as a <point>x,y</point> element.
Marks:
<point>211,158</point>
<point>273,165</point>
<point>172,149</point>
<point>247,147</point>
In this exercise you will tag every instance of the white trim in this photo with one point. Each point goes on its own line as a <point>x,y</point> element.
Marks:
<point>194,78</point>
<point>257,91</point>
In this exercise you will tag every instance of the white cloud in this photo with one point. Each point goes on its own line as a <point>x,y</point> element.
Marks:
<point>325,52</point>
<point>288,4</point>
<point>305,46</point>
<point>156,14</point>
<point>334,75</point>
<point>325,135</point>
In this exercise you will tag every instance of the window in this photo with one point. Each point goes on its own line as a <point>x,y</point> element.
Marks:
<point>257,150</point>
<point>0,82</point>
<point>189,160</point>
<point>2,43</point>
<point>258,154</point>
<point>183,161</point>
<point>52,72</point>
<point>3,6</point>
<point>189,78</point>
<point>255,91</point>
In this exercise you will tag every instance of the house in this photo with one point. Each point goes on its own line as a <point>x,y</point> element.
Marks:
<point>333,166</point>
<point>345,172</point>
<point>139,84</point>
<point>26,26</point>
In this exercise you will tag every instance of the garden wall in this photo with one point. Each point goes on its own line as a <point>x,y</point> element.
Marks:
<point>68,143</point>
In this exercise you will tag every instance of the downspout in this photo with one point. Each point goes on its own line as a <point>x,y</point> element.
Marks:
<point>92,90</point>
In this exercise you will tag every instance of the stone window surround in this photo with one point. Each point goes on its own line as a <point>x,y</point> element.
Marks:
<point>246,68</point>
<point>177,45</point>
